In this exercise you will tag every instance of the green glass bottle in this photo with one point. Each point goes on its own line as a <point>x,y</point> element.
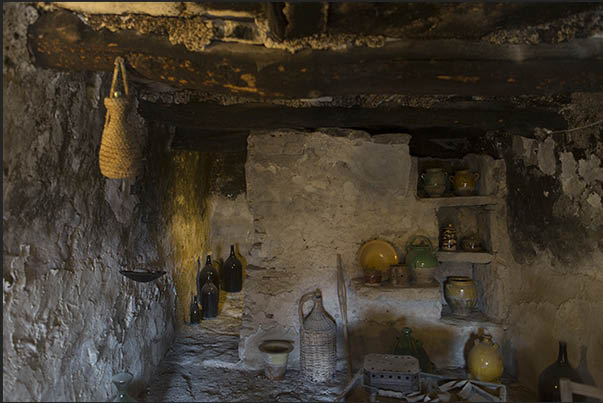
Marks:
<point>408,345</point>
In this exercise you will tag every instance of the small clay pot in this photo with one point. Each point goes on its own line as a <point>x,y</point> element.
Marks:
<point>372,277</point>
<point>424,275</point>
<point>471,244</point>
<point>399,275</point>
<point>275,354</point>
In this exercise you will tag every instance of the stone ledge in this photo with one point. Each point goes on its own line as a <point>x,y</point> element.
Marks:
<point>475,319</point>
<point>465,257</point>
<point>409,293</point>
<point>459,201</point>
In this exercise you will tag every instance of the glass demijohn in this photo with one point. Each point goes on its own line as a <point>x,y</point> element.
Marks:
<point>232,273</point>
<point>209,298</point>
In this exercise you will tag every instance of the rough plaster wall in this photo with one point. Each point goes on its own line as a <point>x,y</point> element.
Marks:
<point>231,223</point>
<point>70,320</point>
<point>187,221</point>
<point>314,195</point>
<point>555,233</point>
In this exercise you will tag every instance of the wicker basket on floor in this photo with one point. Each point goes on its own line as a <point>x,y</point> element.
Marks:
<point>318,341</point>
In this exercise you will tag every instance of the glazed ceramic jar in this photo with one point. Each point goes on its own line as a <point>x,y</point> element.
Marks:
<point>448,238</point>
<point>460,294</point>
<point>434,182</point>
<point>464,182</point>
<point>485,360</point>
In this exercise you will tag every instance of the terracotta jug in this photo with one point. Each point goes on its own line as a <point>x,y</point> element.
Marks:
<point>464,182</point>
<point>460,294</point>
<point>485,360</point>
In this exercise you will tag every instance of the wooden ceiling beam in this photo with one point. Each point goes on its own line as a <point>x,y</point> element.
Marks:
<point>60,40</point>
<point>250,116</point>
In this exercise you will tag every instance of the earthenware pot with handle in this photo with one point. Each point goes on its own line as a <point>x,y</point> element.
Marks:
<point>464,182</point>
<point>434,182</point>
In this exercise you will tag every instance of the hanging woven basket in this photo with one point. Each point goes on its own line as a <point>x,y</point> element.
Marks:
<point>120,155</point>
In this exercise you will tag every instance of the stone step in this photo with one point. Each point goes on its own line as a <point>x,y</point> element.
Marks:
<point>365,302</point>
<point>465,257</point>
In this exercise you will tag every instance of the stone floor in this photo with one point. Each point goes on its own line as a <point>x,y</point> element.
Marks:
<point>203,365</point>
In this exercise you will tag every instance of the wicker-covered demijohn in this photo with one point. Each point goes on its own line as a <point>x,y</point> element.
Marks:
<point>318,341</point>
<point>120,155</point>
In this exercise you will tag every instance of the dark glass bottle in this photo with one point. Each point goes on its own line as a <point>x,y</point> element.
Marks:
<point>232,273</point>
<point>548,382</point>
<point>195,312</point>
<point>584,372</point>
<point>408,345</point>
<point>209,271</point>
<point>199,282</point>
<point>209,298</point>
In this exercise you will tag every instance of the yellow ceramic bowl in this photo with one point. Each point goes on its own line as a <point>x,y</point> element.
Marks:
<point>377,254</point>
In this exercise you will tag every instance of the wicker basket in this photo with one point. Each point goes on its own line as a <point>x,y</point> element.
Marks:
<point>318,341</point>
<point>120,155</point>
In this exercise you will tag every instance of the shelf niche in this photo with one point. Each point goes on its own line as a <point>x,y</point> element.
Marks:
<point>466,220</point>
<point>486,186</point>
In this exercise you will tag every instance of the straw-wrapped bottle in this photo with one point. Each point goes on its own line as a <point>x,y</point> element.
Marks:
<point>318,340</point>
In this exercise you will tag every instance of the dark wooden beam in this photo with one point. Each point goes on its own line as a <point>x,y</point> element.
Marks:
<point>248,116</point>
<point>62,41</point>
<point>219,141</point>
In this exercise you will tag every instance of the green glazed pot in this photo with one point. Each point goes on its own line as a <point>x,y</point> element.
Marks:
<point>434,181</point>
<point>420,254</point>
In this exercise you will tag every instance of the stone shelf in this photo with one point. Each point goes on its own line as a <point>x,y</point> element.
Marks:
<point>465,257</point>
<point>408,293</point>
<point>457,201</point>
<point>475,319</point>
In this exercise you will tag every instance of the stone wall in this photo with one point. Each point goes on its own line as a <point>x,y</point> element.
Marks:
<point>555,232</point>
<point>315,195</point>
<point>70,319</point>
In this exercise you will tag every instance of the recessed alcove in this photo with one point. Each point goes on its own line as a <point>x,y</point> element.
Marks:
<point>296,133</point>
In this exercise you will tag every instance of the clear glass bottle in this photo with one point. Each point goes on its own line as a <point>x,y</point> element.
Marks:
<point>232,273</point>
<point>209,298</point>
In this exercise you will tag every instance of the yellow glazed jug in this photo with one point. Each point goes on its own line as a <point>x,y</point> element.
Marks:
<point>464,182</point>
<point>485,360</point>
